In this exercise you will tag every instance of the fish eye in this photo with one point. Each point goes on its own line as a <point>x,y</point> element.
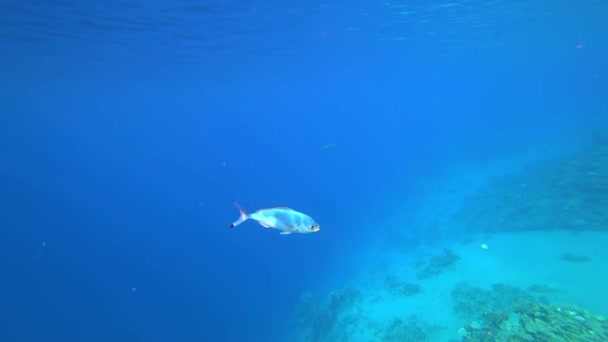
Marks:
<point>315,227</point>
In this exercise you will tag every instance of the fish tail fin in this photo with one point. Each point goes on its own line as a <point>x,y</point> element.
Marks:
<point>242,218</point>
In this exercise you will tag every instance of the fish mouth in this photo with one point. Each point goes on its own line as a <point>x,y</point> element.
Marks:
<point>315,228</point>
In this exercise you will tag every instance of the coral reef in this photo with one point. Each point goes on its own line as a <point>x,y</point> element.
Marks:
<point>399,287</point>
<point>469,301</point>
<point>543,289</point>
<point>410,330</point>
<point>569,257</point>
<point>341,319</point>
<point>318,321</point>
<point>438,264</point>
<point>566,193</point>
<point>510,314</point>
<point>538,322</point>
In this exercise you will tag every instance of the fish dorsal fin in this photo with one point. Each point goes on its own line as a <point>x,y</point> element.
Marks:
<point>286,208</point>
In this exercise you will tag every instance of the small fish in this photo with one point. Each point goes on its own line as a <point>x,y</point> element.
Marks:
<point>284,219</point>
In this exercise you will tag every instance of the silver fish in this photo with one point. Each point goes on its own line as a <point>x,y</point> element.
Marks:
<point>284,219</point>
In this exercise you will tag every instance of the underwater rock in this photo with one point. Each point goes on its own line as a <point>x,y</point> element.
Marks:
<point>438,264</point>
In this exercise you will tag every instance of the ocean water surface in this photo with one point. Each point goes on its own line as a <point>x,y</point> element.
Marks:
<point>455,155</point>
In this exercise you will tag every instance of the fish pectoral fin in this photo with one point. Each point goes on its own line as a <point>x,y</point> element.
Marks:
<point>264,224</point>
<point>292,229</point>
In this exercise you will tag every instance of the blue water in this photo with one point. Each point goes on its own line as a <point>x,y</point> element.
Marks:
<point>127,128</point>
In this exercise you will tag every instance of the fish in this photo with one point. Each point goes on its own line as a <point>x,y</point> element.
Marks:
<point>285,219</point>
